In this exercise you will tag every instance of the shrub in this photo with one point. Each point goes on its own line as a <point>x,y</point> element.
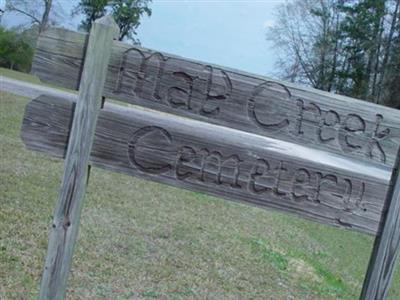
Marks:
<point>15,52</point>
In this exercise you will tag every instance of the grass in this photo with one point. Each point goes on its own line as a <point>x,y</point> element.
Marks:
<point>143,240</point>
<point>18,75</point>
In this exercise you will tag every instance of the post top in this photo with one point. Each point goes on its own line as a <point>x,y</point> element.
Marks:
<point>109,21</point>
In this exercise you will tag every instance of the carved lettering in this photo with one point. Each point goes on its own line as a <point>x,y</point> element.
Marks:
<point>378,135</point>
<point>181,97</point>
<point>230,171</point>
<point>310,114</point>
<point>301,180</point>
<point>301,118</point>
<point>152,150</point>
<point>260,169</point>
<point>349,135</point>
<point>260,110</point>
<point>153,73</point>
<point>211,164</point>
<point>186,155</point>
<point>327,131</point>
<point>207,90</point>
<point>140,75</point>
<point>142,142</point>
<point>322,181</point>
<point>280,170</point>
<point>129,75</point>
<point>215,92</point>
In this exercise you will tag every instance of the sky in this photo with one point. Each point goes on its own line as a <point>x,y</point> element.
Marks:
<point>229,33</point>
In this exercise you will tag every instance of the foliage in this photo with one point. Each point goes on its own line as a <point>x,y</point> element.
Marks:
<point>15,52</point>
<point>126,13</point>
<point>347,47</point>
<point>91,10</point>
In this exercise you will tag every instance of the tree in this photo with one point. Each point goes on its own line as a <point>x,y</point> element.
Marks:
<point>15,52</point>
<point>392,42</point>
<point>126,13</point>
<point>38,11</point>
<point>306,34</point>
<point>350,47</point>
<point>390,78</point>
<point>361,30</point>
<point>91,10</point>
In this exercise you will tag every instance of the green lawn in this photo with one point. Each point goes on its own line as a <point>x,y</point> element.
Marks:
<point>143,240</point>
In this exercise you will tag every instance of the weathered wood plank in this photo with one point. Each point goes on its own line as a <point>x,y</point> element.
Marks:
<point>220,161</point>
<point>66,218</point>
<point>386,249</point>
<point>50,57</point>
<point>229,97</point>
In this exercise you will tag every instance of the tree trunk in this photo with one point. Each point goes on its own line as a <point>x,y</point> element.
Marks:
<point>367,92</point>
<point>45,17</point>
<point>335,53</point>
<point>387,53</point>
<point>378,54</point>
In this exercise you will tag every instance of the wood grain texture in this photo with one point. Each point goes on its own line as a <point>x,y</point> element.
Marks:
<point>66,218</point>
<point>220,161</point>
<point>229,97</point>
<point>386,249</point>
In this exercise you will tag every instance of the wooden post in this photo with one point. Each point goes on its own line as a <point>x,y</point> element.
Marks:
<point>67,212</point>
<point>386,249</point>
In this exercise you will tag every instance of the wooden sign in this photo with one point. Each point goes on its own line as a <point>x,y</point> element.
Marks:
<point>228,97</point>
<point>215,130</point>
<point>220,161</point>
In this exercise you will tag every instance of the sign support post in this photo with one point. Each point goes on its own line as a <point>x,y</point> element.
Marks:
<point>386,248</point>
<point>66,219</point>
